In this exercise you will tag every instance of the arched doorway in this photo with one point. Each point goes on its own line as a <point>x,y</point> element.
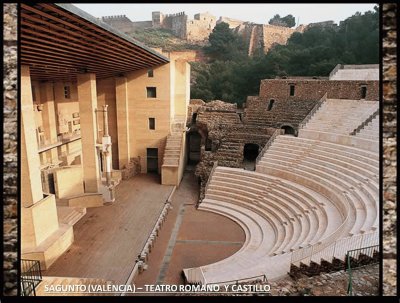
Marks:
<point>250,153</point>
<point>194,146</point>
<point>288,130</point>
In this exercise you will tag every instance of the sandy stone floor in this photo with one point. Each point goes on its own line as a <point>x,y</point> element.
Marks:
<point>189,238</point>
<point>108,238</point>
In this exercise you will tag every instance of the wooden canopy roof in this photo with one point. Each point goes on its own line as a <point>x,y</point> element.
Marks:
<point>58,41</point>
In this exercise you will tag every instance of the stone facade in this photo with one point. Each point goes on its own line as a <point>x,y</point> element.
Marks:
<point>10,169</point>
<point>223,136</point>
<point>311,89</point>
<point>389,62</point>
<point>124,24</point>
<point>277,112</point>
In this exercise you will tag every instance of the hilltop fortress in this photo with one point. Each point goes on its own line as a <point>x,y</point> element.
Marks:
<point>197,30</point>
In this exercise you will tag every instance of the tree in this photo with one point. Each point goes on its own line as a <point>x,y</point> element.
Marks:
<point>224,44</point>
<point>315,52</point>
<point>287,21</point>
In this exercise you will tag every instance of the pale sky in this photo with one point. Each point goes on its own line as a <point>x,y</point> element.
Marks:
<point>253,12</point>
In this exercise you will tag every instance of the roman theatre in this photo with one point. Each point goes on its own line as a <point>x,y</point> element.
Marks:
<point>126,181</point>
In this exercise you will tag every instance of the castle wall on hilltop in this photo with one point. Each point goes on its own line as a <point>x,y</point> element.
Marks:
<point>277,34</point>
<point>233,23</point>
<point>256,36</point>
<point>201,27</point>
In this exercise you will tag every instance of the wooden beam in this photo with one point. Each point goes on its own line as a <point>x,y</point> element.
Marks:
<point>93,44</point>
<point>109,42</point>
<point>62,50</point>
<point>79,48</point>
<point>98,29</point>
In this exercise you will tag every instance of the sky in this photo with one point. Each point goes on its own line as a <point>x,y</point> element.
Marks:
<point>253,12</point>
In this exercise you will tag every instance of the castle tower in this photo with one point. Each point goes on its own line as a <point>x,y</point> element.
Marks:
<point>157,19</point>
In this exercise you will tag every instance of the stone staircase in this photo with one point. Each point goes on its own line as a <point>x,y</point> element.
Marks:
<point>370,131</point>
<point>335,264</point>
<point>70,215</point>
<point>73,286</point>
<point>341,116</point>
<point>308,203</point>
<point>173,146</point>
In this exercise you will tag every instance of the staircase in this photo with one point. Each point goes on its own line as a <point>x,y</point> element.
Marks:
<point>173,147</point>
<point>173,152</point>
<point>370,131</point>
<point>336,264</point>
<point>70,215</point>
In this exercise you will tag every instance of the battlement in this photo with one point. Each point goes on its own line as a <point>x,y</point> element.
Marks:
<point>115,17</point>
<point>175,15</point>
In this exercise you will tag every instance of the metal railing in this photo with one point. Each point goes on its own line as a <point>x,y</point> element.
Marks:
<point>210,175</point>
<point>359,257</point>
<point>31,276</point>
<point>269,143</point>
<point>313,111</point>
<point>325,248</point>
<point>365,122</point>
<point>337,249</point>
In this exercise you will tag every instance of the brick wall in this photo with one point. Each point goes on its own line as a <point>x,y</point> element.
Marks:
<point>312,90</point>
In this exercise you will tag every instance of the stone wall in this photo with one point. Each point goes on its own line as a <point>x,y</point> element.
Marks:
<point>265,36</point>
<point>273,34</point>
<point>389,147</point>
<point>233,23</point>
<point>10,139</point>
<point>283,112</point>
<point>311,90</point>
<point>120,22</point>
<point>200,28</point>
<point>221,124</point>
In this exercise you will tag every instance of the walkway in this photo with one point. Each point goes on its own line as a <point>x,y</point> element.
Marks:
<point>189,238</point>
<point>108,238</point>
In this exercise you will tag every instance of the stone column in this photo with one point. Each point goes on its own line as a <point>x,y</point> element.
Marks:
<point>31,184</point>
<point>87,97</point>
<point>49,111</point>
<point>121,87</point>
<point>49,116</point>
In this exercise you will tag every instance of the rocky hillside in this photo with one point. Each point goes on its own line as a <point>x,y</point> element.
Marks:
<point>163,38</point>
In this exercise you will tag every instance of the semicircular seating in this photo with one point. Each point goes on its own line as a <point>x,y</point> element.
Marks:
<point>305,196</point>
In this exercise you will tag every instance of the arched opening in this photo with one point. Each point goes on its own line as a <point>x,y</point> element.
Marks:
<point>270,104</point>
<point>194,144</point>
<point>288,130</point>
<point>363,92</point>
<point>250,153</point>
<point>194,117</point>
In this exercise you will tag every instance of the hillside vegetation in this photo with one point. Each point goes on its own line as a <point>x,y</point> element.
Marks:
<point>231,75</point>
<point>162,38</point>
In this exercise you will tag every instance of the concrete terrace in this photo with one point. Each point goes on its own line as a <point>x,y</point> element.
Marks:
<point>108,238</point>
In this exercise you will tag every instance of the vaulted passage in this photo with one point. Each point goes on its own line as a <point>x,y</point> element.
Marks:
<point>250,153</point>
<point>288,130</point>
<point>194,143</point>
